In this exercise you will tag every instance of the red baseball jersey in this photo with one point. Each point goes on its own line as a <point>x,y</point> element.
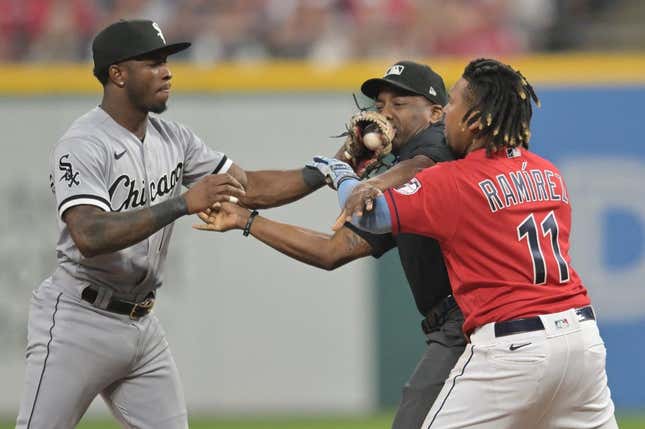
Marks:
<point>503,224</point>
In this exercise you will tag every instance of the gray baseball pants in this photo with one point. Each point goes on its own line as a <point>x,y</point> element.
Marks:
<point>445,346</point>
<point>76,351</point>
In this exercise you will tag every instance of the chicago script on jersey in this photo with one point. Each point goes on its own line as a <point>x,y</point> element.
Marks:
<point>137,196</point>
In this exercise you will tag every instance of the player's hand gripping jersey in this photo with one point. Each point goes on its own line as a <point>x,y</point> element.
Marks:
<point>467,206</point>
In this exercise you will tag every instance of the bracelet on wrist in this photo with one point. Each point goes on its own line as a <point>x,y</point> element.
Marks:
<point>249,222</point>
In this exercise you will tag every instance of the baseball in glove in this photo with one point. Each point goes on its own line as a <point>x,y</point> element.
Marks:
<point>368,139</point>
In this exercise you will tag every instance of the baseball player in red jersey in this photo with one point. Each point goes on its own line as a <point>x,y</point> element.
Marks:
<point>502,217</point>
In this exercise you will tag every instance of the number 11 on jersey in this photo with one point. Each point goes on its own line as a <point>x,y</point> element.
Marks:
<point>549,227</point>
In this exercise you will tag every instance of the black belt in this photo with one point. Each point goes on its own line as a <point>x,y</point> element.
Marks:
<point>531,324</point>
<point>438,315</point>
<point>135,310</point>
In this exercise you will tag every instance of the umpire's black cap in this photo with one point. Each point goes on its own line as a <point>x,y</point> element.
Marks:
<point>412,77</point>
<point>125,40</point>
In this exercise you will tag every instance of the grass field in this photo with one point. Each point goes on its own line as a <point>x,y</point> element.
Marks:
<point>379,421</point>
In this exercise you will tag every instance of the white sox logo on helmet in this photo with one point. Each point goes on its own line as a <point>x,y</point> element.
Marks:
<point>159,33</point>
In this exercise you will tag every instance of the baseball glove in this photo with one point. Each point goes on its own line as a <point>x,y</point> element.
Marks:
<point>368,139</point>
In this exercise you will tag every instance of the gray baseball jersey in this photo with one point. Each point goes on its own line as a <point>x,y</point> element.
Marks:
<point>77,350</point>
<point>98,162</point>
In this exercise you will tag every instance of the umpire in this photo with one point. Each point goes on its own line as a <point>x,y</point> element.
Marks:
<point>421,257</point>
<point>411,96</point>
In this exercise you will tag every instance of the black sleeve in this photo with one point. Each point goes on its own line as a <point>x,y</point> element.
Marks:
<point>431,143</point>
<point>380,243</point>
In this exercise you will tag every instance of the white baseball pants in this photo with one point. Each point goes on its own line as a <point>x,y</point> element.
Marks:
<point>551,378</point>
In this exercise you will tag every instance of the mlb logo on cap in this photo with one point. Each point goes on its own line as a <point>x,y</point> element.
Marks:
<point>409,78</point>
<point>396,69</point>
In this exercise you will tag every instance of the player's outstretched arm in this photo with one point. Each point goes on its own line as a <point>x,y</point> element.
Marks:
<point>96,232</point>
<point>400,173</point>
<point>311,247</point>
<point>376,220</point>
<point>272,188</point>
<point>362,197</point>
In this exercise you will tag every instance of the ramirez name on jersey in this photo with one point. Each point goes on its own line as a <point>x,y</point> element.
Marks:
<point>523,186</point>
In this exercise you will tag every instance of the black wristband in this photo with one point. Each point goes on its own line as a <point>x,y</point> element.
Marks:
<point>249,222</point>
<point>313,178</point>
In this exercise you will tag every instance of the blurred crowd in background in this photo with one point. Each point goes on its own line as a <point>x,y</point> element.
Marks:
<point>326,31</point>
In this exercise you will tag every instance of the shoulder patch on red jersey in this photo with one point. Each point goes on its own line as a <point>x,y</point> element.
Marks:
<point>409,188</point>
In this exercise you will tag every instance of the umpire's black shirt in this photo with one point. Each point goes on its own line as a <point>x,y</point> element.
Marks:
<point>421,256</point>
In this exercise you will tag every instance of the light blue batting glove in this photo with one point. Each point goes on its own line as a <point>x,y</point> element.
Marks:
<point>335,171</point>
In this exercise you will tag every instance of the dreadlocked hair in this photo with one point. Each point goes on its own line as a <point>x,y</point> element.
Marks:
<point>501,103</point>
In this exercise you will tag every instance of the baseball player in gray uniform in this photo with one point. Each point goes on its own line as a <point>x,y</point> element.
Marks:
<point>117,175</point>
